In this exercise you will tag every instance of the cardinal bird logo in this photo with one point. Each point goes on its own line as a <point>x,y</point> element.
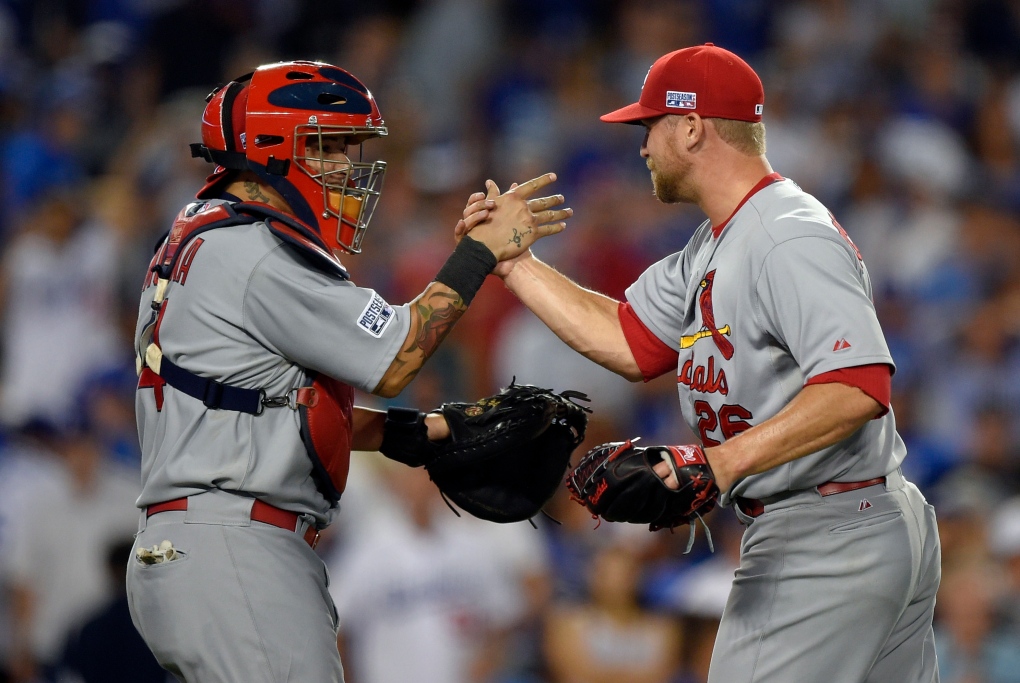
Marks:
<point>709,328</point>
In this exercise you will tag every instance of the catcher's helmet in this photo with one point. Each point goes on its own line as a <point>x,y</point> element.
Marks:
<point>286,122</point>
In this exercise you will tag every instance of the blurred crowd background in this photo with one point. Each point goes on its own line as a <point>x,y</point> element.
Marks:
<point>903,116</point>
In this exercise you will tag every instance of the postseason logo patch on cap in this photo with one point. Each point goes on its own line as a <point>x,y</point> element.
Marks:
<point>376,316</point>
<point>681,100</point>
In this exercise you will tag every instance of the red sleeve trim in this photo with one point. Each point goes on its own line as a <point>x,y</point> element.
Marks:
<point>653,357</point>
<point>875,380</point>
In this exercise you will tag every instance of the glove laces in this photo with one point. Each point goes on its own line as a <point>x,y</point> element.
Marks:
<point>694,528</point>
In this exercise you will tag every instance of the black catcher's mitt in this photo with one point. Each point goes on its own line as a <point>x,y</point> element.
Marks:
<point>616,482</point>
<point>506,454</point>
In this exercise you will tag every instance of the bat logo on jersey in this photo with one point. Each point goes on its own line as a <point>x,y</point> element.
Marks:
<point>687,341</point>
<point>709,328</point>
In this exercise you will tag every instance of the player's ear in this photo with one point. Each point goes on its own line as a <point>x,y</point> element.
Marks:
<point>692,130</point>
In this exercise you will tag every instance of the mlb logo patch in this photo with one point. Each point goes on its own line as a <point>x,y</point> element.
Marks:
<point>758,109</point>
<point>376,316</point>
<point>681,100</point>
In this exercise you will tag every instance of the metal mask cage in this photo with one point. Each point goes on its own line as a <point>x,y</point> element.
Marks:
<point>350,189</point>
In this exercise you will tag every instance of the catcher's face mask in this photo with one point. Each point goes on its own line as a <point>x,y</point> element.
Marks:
<point>350,189</point>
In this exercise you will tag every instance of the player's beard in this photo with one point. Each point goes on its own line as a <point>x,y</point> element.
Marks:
<point>673,185</point>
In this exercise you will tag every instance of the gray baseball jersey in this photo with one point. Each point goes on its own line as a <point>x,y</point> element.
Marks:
<point>756,307</point>
<point>779,294</point>
<point>245,309</point>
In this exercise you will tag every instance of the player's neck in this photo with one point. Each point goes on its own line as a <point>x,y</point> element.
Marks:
<point>251,189</point>
<point>725,185</point>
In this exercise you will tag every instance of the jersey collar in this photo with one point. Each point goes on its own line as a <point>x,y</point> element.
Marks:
<point>762,184</point>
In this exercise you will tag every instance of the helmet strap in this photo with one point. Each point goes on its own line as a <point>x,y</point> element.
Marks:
<point>235,161</point>
<point>298,204</point>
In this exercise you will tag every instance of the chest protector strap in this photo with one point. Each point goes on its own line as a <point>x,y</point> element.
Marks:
<point>325,405</point>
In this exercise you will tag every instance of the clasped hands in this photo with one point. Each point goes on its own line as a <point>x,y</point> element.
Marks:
<point>509,223</point>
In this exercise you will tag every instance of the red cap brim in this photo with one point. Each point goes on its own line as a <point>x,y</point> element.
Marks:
<point>632,113</point>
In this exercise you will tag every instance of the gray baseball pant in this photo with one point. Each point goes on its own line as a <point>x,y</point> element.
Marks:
<point>245,601</point>
<point>834,589</point>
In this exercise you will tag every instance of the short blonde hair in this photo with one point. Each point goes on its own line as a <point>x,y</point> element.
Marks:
<point>746,137</point>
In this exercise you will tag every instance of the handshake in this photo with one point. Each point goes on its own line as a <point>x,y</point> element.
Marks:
<point>509,223</point>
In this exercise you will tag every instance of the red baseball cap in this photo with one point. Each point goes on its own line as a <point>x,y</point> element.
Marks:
<point>703,79</point>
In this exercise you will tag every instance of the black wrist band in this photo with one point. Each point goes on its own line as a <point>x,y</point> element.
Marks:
<point>466,269</point>
<point>405,436</point>
<point>404,417</point>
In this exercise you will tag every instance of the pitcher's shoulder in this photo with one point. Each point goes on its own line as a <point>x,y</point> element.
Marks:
<point>785,212</point>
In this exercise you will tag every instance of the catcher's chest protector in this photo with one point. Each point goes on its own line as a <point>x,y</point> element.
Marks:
<point>325,405</point>
<point>327,430</point>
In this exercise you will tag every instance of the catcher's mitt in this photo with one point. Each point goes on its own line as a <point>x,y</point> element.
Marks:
<point>506,454</point>
<point>616,482</point>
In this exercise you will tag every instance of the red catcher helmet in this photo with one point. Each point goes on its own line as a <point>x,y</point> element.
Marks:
<point>286,123</point>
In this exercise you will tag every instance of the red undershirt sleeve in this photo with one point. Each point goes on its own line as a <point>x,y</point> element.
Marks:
<point>875,380</point>
<point>653,357</point>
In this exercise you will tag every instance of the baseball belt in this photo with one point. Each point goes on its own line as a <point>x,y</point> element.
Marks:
<point>260,512</point>
<point>752,507</point>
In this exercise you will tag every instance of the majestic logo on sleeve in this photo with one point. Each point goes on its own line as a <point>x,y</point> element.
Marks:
<point>709,328</point>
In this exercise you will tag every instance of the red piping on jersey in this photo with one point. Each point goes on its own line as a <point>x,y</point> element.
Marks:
<point>875,380</point>
<point>762,184</point>
<point>654,358</point>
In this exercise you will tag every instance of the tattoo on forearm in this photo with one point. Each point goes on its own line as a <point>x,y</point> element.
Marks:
<point>434,316</point>
<point>255,192</point>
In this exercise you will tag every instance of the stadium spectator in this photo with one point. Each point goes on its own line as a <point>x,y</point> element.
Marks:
<point>428,596</point>
<point>57,299</point>
<point>610,637</point>
<point>55,561</point>
<point>972,645</point>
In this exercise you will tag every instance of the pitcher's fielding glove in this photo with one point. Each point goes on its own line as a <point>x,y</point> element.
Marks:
<point>616,481</point>
<point>506,454</point>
